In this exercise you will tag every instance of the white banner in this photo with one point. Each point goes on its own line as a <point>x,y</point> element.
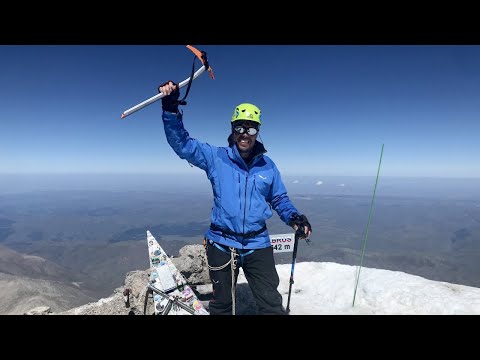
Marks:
<point>282,242</point>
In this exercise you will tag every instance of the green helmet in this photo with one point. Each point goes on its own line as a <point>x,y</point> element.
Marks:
<point>247,111</point>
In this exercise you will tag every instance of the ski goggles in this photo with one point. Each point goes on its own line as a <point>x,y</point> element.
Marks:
<point>242,130</point>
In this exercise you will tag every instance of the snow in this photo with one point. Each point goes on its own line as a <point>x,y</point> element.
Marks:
<point>324,288</point>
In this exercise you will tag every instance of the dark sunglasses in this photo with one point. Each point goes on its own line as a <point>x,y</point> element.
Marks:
<point>243,130</point>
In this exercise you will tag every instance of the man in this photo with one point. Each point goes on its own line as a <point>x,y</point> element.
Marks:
<point>246,187</point>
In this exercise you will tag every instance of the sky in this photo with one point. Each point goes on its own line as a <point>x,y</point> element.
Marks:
<point>326,109</point>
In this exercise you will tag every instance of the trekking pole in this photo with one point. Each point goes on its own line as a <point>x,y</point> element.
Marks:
<point>299,231</point>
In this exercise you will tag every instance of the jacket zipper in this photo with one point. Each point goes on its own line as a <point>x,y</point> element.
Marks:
<point>251,193</point>
<point>245,207</point>
<point>239,193</point>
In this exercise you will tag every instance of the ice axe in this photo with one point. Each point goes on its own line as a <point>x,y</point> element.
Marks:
<point>202,56</point>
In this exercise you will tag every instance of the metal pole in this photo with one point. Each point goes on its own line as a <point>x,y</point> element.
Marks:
<point>160,95</point>
<point>368,223</point>
<point>294,256</point>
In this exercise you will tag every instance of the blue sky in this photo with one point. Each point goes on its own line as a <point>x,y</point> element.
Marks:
<point>326,109</point>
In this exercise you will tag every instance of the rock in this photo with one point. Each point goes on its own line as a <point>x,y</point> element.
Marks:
<point>192,264</point>
<point>39,310</point>
<point>130,298</point>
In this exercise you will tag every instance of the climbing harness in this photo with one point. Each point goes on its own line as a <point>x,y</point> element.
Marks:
<point>234,254</point>
<point>247,235</point>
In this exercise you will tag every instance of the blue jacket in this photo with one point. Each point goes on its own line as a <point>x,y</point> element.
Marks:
<point>244,196</point>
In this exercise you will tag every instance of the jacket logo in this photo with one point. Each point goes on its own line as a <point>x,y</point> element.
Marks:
<point>262,177</point>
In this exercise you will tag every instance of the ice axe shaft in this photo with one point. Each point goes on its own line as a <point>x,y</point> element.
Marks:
<point>160,95</point>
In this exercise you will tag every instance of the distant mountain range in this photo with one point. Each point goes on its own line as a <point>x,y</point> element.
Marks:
<point>88,239</point>
<point>28,281</point>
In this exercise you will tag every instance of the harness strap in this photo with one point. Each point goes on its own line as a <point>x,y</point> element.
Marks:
<point>232,262</point>
<point>220,247</point>
<point>247,235</point>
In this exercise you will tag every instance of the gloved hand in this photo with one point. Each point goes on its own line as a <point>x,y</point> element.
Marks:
<point>170,101</point>
<point>300,222</point>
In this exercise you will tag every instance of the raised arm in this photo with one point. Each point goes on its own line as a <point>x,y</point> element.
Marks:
<point>195,152</point>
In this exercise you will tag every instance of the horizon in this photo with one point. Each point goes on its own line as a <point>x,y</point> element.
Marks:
<point>201,173</point>
<point>346,185</point>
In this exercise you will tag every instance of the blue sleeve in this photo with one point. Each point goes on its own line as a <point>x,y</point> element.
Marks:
<point>195,152</point>
<point>279,199</point>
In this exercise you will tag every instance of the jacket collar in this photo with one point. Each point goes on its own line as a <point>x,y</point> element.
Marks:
<point>258,151</point>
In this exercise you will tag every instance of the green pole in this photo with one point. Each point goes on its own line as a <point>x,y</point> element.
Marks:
<point>366,230</point>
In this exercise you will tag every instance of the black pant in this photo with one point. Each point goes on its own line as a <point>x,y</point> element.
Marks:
<point>260,272</point>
